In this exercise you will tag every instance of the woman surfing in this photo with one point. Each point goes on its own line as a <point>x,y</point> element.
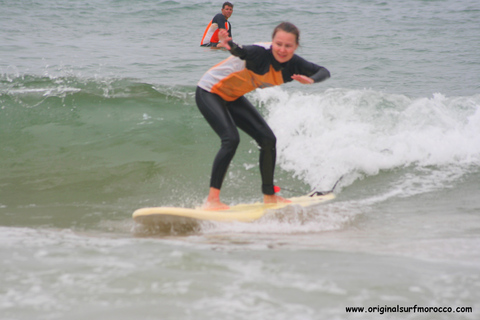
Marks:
<point>220,98</point>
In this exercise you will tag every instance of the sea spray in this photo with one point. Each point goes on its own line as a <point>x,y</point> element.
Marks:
<point>362,132</point>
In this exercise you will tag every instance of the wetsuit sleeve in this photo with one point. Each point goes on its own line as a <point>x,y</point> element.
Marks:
<point>301,66</point>
<point>250,52</point>
<point>321,75</point>
<point>220,20</point>
<point>237,50</point>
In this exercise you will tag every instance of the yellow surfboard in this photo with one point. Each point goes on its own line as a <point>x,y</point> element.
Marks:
<point>188,219</point>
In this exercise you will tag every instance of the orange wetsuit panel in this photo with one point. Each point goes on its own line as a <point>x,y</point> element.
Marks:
<point>241,82</point>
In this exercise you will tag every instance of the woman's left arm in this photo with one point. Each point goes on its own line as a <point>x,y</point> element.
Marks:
<point>308,73</point>
<point>302,79</point>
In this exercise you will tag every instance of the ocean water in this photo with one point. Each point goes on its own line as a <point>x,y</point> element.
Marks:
<point>98,118</point>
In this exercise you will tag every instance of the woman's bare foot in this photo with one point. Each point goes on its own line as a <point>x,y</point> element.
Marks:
<point>215,206</point>
<point>213,201</point>
<point>274,199</point>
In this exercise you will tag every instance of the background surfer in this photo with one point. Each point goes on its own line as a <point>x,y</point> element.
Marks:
<point>220,98</point>
<point>219,21</point>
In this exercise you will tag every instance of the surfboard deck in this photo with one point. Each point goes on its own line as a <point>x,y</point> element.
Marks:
<point>167,217</point>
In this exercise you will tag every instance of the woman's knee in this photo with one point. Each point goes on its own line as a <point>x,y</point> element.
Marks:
<point>268,141</point>
<point>231,141</point>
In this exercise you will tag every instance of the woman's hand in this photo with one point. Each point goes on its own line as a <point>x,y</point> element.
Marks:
<point>302,79</point>
<point>224,38</point>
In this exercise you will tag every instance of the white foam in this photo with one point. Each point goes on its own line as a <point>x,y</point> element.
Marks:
<point>322,136</point>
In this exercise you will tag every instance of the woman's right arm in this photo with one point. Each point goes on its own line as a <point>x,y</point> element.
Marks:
<point>227,43</point>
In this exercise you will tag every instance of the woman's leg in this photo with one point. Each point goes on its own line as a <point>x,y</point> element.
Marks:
<point>215,111</point>
<point>248,119</point>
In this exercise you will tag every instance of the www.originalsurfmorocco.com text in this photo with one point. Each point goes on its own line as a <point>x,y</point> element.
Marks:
<point>410,309</point>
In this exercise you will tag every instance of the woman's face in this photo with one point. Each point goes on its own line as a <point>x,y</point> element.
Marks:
<point>284,45</point>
